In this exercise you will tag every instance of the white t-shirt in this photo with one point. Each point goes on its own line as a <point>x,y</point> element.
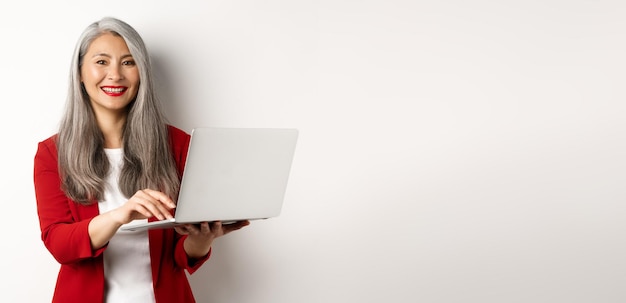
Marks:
<point>127,270</point>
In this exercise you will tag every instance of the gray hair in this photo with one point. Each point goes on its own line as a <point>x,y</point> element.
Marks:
<point>148,160</point>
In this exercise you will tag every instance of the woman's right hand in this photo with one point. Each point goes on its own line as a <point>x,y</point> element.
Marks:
<point>144,204</point>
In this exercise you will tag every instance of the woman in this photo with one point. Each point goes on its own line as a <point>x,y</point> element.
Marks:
<point>115,160</point>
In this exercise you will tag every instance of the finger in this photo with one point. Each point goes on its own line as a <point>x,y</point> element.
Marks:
<point>161,197</point>
<point>238,224</point>
<point>163,210</point>
<point>144,212</point>
<point>191,229</point>
<point>243,223</point>
<point>157,210</point>
<point>216,225</point>
<point>235,226</point>
<point>152,207</point>
<point>160,201</point>
<point>204,228</point>
<point>137,208</point>
<point>181,230</point>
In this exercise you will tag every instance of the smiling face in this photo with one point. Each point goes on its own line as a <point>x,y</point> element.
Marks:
<point>110,75</point>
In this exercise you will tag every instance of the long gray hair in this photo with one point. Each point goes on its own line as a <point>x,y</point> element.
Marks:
<point>148,160</point>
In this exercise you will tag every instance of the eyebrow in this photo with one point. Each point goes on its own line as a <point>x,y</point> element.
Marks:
<point>109,56</point>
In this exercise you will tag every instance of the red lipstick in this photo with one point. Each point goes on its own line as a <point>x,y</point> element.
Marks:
<point>114,91</point>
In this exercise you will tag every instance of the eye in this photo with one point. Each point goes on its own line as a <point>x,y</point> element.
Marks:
<point>101,62</point>
<point>129,62</point>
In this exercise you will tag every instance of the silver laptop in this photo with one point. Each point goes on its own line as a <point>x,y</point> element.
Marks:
<point>231,174</point>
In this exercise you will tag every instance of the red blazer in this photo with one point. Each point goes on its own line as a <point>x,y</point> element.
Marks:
<point>64,223</point>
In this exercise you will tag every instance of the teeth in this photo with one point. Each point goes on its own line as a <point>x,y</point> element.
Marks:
<point>112,90</point>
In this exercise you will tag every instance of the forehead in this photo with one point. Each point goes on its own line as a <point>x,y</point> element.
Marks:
<point>108,43</point>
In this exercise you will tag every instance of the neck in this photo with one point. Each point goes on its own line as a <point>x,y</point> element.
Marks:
<point>112,128</point>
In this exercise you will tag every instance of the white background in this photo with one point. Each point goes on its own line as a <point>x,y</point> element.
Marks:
<point>450,151</point>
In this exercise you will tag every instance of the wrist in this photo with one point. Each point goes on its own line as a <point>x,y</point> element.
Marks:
<point>114,216</point>
<point>195,248</point>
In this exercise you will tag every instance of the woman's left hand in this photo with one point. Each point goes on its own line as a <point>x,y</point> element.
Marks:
<point>201,236</point>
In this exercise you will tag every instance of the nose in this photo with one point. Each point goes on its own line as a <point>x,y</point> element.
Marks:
<point>115,72</point>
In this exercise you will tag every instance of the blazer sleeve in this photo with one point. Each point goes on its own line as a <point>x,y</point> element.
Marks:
<point>64,223</point>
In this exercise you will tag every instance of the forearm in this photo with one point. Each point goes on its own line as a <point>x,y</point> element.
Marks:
<point>102,228</point>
